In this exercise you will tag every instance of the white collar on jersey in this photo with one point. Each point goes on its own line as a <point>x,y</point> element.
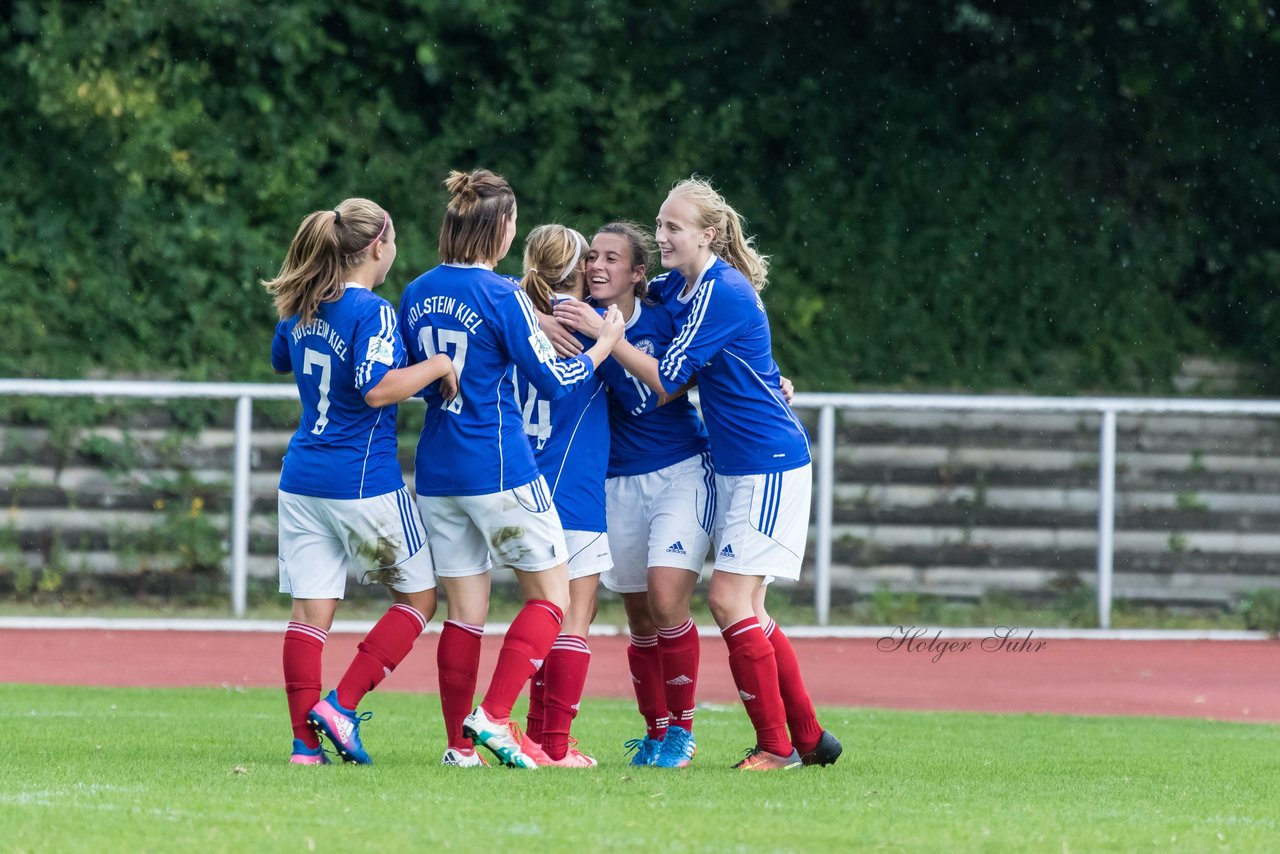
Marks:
<point>635,315</point>
<point>354,285</point>
<point>687,293</point>
<point>479,265</point>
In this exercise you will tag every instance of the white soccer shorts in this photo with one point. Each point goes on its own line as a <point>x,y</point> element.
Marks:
<point>764,524</point>
<point>588,553</point>
<point>518,528</point>
<point>380,540</point>
<point>662,518</point>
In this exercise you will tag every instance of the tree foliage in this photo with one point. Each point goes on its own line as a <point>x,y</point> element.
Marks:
<point>1067,195</point>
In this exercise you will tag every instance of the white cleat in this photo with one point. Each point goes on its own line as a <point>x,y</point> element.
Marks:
<point>502,740</point>
<point>463,758</point>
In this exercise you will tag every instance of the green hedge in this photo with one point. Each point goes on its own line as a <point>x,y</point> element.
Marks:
<point>954,195</point>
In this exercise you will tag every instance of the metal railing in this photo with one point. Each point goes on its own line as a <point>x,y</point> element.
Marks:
<point>826,404</point>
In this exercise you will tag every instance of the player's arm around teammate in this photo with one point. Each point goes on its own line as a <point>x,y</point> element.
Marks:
<point>343,505</point>
<point>763,462</point>
<point>570,441</point>
<point>661,505</point>
<point>761,454</point>
<point>479,488</point>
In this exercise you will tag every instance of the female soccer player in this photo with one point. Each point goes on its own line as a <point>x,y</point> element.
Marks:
<point>343,504</point>
<point>761,454</point>
<point>570,440</point>
<point>478,484</point>
<point>661,505</point>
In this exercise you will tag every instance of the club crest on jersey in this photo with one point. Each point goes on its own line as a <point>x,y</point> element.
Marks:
<point>644,345</point>
<point>726,553</point>
<point>541,345</point>
<point>380,351</point>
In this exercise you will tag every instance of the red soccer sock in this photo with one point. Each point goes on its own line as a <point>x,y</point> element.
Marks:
<point>523,651</point>
<point>386,645</point>
<point>457,663</point>
<point>537,703</point>
<point>303,650</point>
<point>679,649</point>
<point>755,672</point>
<point>646,678</point>
<point>566,671</point>
<point>802,721</point>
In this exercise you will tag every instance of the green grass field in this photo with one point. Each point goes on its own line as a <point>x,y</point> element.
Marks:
<point>91,769</point>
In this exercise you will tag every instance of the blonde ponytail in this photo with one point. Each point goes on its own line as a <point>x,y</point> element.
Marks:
<point>551,256</point>
<point>731,241</point>
<point>326,245</point>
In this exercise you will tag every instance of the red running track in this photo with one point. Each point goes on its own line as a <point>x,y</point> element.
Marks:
<point>1225,680</point>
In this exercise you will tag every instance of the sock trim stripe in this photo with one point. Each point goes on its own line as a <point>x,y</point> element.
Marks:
<point>553,611</point>
<point>478,631</point>
<point>412,612</point>
<point>740,627</point>
<point>677,631</point>
<point>768,630</point>
<point>310,631</point>
<point>571,644</point>
<point>644,641</point>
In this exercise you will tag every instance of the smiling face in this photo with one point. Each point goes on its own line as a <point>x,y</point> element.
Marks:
<point>681,242</point>
<point>611,274</point>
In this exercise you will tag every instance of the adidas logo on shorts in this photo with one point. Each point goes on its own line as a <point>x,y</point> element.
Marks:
<point>727,552</point>
<point>676,548</point>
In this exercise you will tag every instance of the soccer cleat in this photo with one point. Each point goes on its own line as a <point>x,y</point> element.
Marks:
<point>573,757</point>
<point>533,750</point>
<point>759,759</point>
<point>646,750</point>
<point>677,749</point>
<point>463,758</point>
<point>303,755</point>
<point>826,752</point>
<point>340,726</point>
<point>502,740</point>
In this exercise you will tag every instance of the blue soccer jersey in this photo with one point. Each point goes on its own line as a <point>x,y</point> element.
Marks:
<point>570,440</point>
<point>475,444</point>
<point>724,338</point>
<point>343,448</point>
<point>645,437</point>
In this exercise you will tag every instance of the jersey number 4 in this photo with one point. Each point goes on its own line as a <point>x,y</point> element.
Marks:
<point>537,418</point>
<point>433,341</point>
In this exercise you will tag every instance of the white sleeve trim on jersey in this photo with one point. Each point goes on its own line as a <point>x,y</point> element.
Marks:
<point>566,371</point>
<point>384,344</point>
<point>789,411</point>
<point>674,359</point>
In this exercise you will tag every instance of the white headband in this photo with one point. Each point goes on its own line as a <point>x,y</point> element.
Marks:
<point>573,262</point>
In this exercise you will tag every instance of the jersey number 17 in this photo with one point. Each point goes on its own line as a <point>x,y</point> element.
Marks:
<point>433,341</point>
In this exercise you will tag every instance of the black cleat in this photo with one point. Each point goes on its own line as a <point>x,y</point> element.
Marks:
<point>826,752</point>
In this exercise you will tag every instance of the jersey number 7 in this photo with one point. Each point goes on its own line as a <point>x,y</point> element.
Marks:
<point>316,359</point>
